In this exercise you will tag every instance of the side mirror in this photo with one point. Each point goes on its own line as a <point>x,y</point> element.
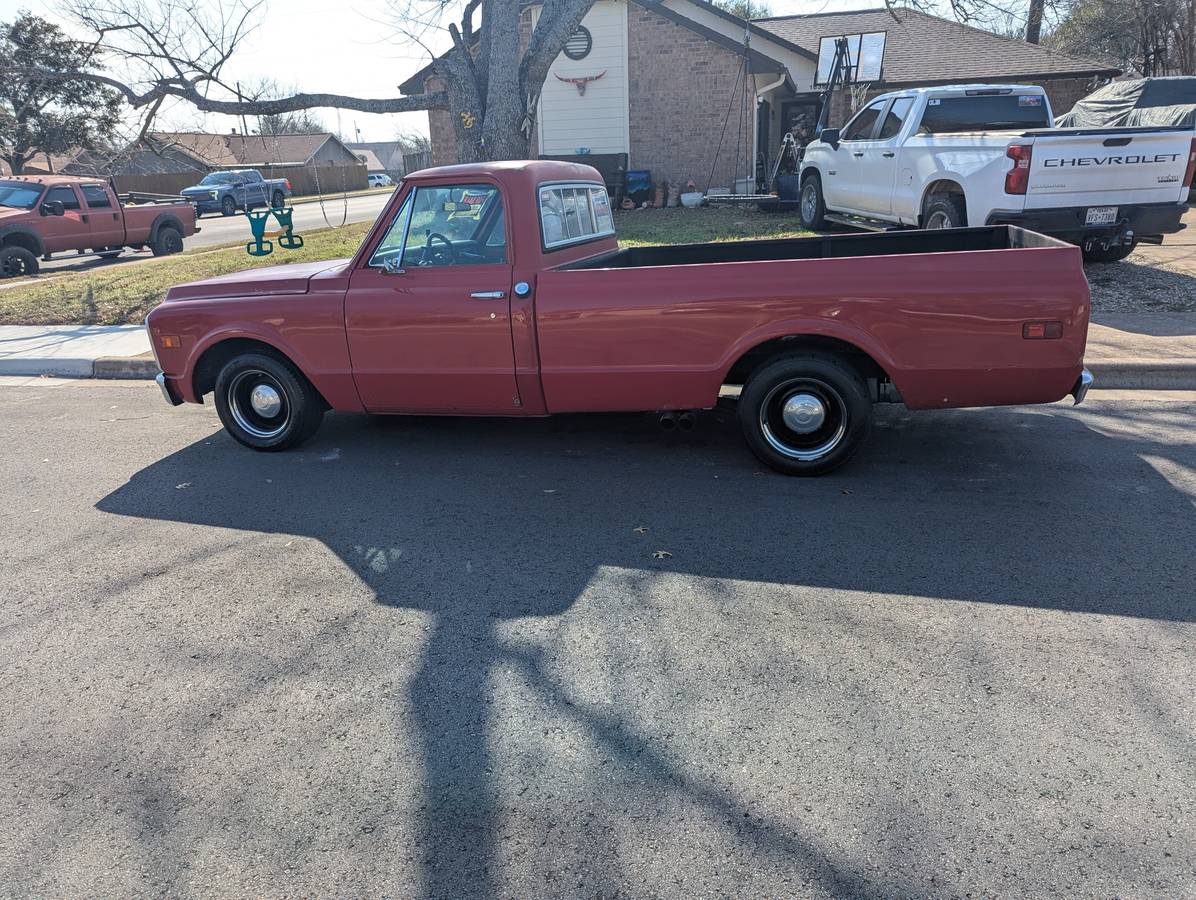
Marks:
<point>238,184</point>
<point>393,265</point>
<point>830,136</point>
<point>53,208</point>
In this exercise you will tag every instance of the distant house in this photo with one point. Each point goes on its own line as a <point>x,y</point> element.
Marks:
<point>663,81</point>
<point>165,161</point>
<point>382,157</point>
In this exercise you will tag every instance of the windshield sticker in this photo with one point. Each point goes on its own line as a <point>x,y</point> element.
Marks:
<point>1031,100</point>
<point>934,102</point>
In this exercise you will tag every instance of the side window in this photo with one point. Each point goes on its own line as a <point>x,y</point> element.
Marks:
<point>860,128</point>
<point>449,225</point>
<point>572,213</point>
<point>96,196</point>
<point>894,121</point>
<point>65,195</point>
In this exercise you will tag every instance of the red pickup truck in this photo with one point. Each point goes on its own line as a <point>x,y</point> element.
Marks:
<point>41,215</point>
<point>499,289</point>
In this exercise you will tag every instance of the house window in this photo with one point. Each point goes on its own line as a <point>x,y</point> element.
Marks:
<point>580,43</point>
<point>573,213</point>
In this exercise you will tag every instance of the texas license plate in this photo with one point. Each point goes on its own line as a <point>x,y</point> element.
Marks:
<point>1101,215</point>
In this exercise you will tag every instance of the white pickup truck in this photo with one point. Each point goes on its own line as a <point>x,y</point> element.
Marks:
<point>986,154</point>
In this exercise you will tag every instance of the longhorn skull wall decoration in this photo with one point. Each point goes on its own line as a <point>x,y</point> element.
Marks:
<point>580,83</point>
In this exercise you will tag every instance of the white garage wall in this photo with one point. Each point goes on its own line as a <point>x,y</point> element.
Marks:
<point>599,119</point>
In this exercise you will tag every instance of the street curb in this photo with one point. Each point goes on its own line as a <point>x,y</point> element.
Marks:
<point>1132,374</point>
<point>126,367</point>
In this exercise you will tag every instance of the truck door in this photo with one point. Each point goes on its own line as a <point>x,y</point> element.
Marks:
<point>847,189</point>
<point>428,313</point>
<point>103,216</point>
<point>68,231</point>
<point>878,167</point>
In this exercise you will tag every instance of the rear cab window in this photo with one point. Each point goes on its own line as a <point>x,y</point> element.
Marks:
<point>96,196</point>
<point>985,112</point>
<point>574,213</point>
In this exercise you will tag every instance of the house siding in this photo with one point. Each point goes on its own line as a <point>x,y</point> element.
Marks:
<point>681,86</point>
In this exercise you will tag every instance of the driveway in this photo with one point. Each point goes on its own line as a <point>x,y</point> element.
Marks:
<point>443,658</point>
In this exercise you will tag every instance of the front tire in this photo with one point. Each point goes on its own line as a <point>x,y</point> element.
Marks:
<point>812,206</point>
<point>17,262</point>
<point>1109,254</point>
<point>805,414</point>
<point>228,207</point>
<point>267,404</point>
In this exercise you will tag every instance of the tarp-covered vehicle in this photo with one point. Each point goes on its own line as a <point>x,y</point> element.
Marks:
<point>1140,101</point>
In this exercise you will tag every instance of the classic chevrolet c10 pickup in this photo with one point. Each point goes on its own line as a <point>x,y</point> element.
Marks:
<point>500,289</point>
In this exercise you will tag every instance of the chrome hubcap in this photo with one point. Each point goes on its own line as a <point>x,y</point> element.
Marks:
<point>803,418</point>
<point>265,400</point>
<point>258,403</point>
<point>803,413</point>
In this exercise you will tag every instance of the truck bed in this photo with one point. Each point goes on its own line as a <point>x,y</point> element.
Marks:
<point>828,246</point>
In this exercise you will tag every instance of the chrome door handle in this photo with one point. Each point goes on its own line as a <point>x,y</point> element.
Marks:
<point>488,295</point>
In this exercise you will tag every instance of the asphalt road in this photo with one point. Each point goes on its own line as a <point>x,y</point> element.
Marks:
<point>437,658</point>
<point>216,230</point>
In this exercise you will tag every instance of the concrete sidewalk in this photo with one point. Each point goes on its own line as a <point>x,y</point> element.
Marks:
<point>1125,351</point>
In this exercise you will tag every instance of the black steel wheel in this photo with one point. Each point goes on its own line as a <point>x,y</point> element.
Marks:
<point>17,262</point>
<point>265,403</point>
<point>168,240</point>
<point>805,414</point>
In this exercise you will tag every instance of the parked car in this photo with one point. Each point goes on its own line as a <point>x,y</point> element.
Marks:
<point>240,189</point>
<point>531,308</point>
<point>979,154</point>
<point>379,179</point>
<point>46,214</point>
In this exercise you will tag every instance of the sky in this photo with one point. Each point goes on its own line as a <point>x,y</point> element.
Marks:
<point>353,52</point>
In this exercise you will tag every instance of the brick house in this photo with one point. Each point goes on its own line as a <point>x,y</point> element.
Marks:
<point>675,86</point>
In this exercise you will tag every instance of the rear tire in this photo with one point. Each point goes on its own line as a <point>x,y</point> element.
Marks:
<point>812,206</point>
<point>228,207</point>
<point>166,241</point>
<point>266,403</point>
<point>944,211</point>
<point>17,262</point>
<point>279,200</point>
<point>805,414</point>
<point>1109,255</point>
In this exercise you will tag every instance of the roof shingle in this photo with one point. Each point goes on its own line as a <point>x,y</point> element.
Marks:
<point>923,49</point>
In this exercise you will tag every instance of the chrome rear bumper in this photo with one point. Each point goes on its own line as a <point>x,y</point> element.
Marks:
<point>161,379</point>
<point>1080,391</point>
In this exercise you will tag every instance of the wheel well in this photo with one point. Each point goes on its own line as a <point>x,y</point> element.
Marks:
<point>944,186</point>
<point>20,239</point>
<point>208,367</point>
<point>810,173</point>
<point>796,343</point>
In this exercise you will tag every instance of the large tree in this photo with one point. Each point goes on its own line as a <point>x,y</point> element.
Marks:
<point>1148,37</point>
<point>490,80</point>
<point>45,107</point>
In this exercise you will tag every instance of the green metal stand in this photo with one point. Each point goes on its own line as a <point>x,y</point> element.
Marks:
<point>258,219</point>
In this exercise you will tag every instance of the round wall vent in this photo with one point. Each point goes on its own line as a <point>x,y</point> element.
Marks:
<point>580,43</point>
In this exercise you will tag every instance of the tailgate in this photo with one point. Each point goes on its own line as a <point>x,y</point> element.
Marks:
<point>1107,167</point>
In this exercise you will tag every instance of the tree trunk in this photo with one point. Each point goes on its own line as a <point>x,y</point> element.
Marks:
<point>1034,21</point>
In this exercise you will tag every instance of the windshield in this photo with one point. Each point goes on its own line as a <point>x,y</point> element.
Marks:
<point>19,195</point>
<point>222,178</point>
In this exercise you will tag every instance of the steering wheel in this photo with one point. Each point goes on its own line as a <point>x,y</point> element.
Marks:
<point>443,255</point>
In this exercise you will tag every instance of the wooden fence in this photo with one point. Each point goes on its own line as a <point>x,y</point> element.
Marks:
<point>305,180</point>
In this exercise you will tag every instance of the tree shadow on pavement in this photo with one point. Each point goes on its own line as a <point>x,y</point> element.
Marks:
<point>480,523</point>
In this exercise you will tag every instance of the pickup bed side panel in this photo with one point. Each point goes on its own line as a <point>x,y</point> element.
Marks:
<point>946,327</point>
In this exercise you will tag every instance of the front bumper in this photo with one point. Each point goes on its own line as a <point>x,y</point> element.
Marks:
<point>1068,222</point>
<point>1083,383</point>
<point>160,378</point>
<point>203,204</point>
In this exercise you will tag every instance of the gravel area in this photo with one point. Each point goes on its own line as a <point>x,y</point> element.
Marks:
<point>1142,284</point>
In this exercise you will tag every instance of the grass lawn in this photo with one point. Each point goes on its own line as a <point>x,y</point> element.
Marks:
<point>122,293</point>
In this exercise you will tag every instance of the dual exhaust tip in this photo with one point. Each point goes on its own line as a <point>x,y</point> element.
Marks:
<point>682,421</point>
